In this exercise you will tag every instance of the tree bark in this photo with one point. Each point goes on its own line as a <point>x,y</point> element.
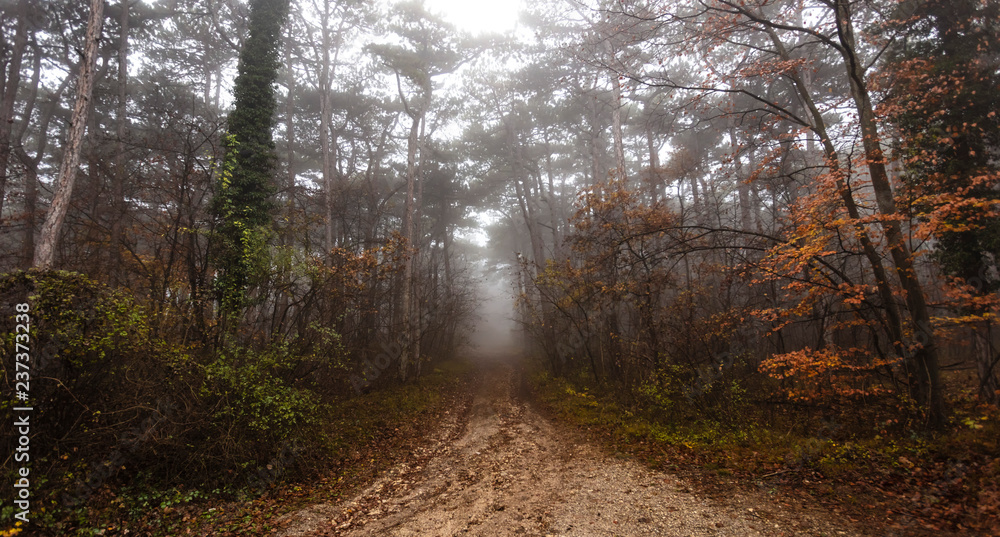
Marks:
<point>119,178</point>
<point>45,252</point>
<point>10,87</point>
<point>925,357</point>
<point>418,235</point>
<point>407,305</point>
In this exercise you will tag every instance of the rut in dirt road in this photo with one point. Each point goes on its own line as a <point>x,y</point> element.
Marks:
<point>503,470</point>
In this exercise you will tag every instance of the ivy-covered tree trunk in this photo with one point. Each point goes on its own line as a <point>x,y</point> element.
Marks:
<point>245,186</point>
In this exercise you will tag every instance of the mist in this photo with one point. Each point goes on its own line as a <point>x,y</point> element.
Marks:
<point>494,333</point>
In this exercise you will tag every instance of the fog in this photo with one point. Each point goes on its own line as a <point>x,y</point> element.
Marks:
<point>495,334</point>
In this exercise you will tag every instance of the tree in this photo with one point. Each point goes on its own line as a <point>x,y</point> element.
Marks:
<point>245,183</point>
<point>46,249</point>
<point>430,48</point>
<point>29,163</point>
<point>944,90</point>
<point>743,43</point>
<point>10,81</point>
<point>338,22</point>
<point>121,118</point>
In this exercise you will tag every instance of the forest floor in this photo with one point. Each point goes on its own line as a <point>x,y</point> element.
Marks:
<point>495,466</point>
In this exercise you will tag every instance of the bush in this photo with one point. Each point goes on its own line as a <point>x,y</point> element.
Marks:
<point>101,381</point>
<point>115,402</point>
<point>256,400</point>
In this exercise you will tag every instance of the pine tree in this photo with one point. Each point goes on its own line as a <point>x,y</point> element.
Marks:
<point>953,135</point>
<point>45,252</point>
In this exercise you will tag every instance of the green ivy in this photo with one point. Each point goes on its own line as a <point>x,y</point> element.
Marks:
<point>244,187</point>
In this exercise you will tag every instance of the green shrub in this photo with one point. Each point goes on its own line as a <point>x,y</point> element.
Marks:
<point>116,402</point>
<point>101,382</point>
<point>256,397</point>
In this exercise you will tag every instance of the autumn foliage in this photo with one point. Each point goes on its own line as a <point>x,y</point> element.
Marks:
<point>851,281</point>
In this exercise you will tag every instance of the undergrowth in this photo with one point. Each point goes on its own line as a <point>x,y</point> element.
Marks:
<point>134,420</point>
<point>911,481</point>
<point>362,436</point>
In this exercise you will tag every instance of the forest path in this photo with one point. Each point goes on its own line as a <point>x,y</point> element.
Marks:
<point>498,468</point>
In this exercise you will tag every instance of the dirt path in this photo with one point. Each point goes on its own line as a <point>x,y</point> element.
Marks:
<point>497,468</point>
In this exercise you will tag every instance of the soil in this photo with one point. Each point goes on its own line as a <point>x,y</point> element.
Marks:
<point>497,467</point>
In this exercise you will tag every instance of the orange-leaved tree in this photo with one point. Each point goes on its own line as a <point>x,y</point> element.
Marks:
<point>943,87</point>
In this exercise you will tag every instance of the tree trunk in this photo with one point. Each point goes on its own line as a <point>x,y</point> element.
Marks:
<point>418,235</point>
<point>286,238</point>
<point>552,200</point>
<point>328,71</point>
<point>119,177</point>
<point>596,165</point>
<point>9,88</point>
<point>449,292</point>
<point>324,130</point>
<point>894,323</point>
<point>526,205</point>
<point>925,357</point>
<point>407,305</point>
<point>616,120</point>
<point>31,163</point>
<point>742,188</point>
<point>45,252</point>
<point>208,86</point>
<point>654,167</point>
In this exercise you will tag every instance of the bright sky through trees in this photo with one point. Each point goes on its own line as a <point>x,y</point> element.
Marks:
<point>479,17</point>
<point>497,16</point>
